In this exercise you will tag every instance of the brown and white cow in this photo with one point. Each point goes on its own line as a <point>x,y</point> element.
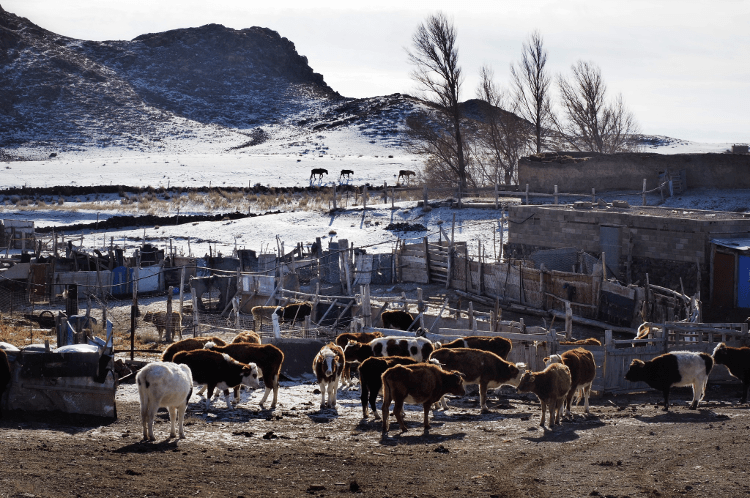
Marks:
<point>551,386</point>
<point>343,339</point>
<point>582,368</point>
<point>418,348</point>
<point>217,370</point>
<point>328,365</point>
<point>371,382</point>
<point>423,383</point>
<point>268,358</point>
<point>498,345</point>
<point>479,367</point>
<point>189,344</point>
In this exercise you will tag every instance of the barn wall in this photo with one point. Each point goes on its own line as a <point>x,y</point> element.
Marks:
<point>627,171</point>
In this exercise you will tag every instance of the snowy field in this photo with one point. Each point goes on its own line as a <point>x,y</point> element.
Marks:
<point>286,159</point>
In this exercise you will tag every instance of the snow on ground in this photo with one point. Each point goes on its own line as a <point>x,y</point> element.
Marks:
<point>284,160</point>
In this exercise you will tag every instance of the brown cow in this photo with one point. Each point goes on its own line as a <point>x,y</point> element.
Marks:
<point>189,344</point>
<point>159,319</point>
<point>589,341</point>
<point>551,386</point>
<point>498,345</point>
<point>328,365</point>
<point>582,368</point>
<point>247,336</point>
<point>423,383</point>
<point>343,339</point>
<point>370,378</point>
<point>479,367</point>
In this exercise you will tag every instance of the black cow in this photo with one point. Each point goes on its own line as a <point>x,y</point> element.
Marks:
<point>319,172</point>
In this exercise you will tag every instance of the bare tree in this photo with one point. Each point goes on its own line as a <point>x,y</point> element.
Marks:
<point>503,136</point>
<point>435,60</point>
<point>593,124</point>
<point>531,84</point>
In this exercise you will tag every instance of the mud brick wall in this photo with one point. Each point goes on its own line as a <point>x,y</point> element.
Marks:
<point>627,171</point>
<point>661,242</point>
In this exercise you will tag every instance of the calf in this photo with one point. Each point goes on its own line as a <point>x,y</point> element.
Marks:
<point>343,339</point>
<point>268,358</point>
<point>478,367</point>
<point>397,319</point>
<point>218,370</point>
<point>423,383</point>
<point>418,348</point>
<point>582,368</point>
<point>262,314</point>
<point>328,365</point>
<point>678,368</point>
<point>159,319</point>
<point>4,375</point>
<point>498,345</point>
<point>247,336</point>
<point>737,361</point>
<point>370,374</point>
<point>551,386</point>
<point>189,344</point>
<point>163,384</point>
<point>294,312</point>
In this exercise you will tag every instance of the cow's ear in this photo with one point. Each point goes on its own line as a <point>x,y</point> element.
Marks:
<point>546,360</point>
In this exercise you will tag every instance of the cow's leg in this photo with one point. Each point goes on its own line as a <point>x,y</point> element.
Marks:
<point>152,409</point>
<point>427,416</point>
<point>333,388</point>
<point>544,412</point>
<point>146,420</point>
<point>743,394</point>
<point>172,419</point>
<point>364,397</point>
<point>567,404</point>
<point>586,394</point>
<point>483,397</point>
<point>398,410</point>
<point>181,420</point>
<point>666,399</point>
<point>386,407</point>
<point>373,401</point>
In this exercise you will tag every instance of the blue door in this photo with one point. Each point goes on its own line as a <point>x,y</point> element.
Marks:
<point>743,284</point>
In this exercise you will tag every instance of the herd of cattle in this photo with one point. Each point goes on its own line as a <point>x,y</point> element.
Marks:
<point>410,370</point>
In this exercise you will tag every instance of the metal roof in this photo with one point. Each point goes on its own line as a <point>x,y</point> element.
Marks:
<point>738,244</point>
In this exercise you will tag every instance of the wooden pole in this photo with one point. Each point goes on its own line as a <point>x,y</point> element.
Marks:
<point>527,194</point>
<point>426,258</point>
<point>169,324</point>
<point>556,198</point>
<point>644,192</point>
<point>334,197</point>
<point>424,194</point>
<point>568,321</point>
<point>182,288</point>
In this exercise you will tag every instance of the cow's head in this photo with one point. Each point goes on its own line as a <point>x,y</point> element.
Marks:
<point>330,361</point>
<point>250,376</point>
<point>637,371</point>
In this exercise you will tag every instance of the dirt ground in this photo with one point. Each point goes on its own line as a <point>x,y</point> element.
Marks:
<point>627,446</point>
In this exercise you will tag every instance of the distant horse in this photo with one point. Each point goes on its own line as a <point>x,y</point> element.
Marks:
<point>318,172</point>
<point>406,174</point>
<point>346,172</point>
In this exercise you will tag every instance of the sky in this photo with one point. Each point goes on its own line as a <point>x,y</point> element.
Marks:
<point>681,66</point>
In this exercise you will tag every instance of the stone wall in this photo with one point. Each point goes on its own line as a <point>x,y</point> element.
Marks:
<point>667,244</point>
<point>580,172</point>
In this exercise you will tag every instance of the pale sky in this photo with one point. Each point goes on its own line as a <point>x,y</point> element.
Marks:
<point>682,67</point>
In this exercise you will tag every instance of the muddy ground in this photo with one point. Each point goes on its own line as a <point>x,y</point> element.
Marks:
<point>627,446</point>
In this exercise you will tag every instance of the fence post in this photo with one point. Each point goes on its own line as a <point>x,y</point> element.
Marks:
<point>364,200</point>
<point>426,258</point>
<point>527,194</point>
<point>593,194</point>
<point>568,321</point>
<point>644,192</point>
<point>366,308</point>
<point>424,195</point>
<point>182,290</point>
<point>169,325</point>
<point>496,195</point>
<point>393,198</point>
<point>556,198</point>
<point>195,314</point>
<point>334,197</point>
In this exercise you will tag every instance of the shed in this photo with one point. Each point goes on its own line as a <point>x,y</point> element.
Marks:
<point>730,273</point>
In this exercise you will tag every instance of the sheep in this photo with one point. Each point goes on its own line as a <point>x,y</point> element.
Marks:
<point>164,384</point>
<point>189,344</point>
<point>737,361</point>
<point>159,319</point>
<point>678,368</point>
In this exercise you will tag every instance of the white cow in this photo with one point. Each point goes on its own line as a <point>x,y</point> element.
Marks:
<point>168,385</point>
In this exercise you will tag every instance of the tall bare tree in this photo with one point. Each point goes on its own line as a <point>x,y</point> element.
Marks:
<point>503,137</point>
<point>434,56</point>
<point>531,83</point>
<point>591,123</point>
